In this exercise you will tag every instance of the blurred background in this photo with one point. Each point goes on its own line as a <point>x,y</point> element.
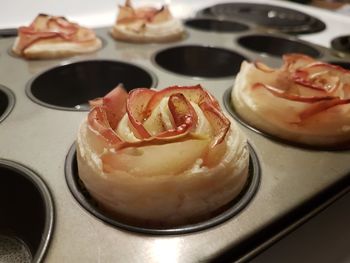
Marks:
<point>102,13</point>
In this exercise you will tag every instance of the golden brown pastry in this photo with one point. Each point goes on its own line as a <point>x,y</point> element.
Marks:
<point>54,37</point>
<point>146,24</point>
<point>305,101</point>
<point>161,158</point>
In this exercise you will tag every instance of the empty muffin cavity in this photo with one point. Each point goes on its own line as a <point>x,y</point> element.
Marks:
<point>71,86</point>
<point>200,61</point>
<point>27,216</point>
<point>7,102</point>
<point>276,46</point>
<point>214,25</point>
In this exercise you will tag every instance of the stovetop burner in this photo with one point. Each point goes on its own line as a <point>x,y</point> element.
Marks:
<point>280,18</point>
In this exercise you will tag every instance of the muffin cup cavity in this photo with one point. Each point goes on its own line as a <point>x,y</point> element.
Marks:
<point>225,213</point>
<point>214,25</point>
<point>7,102</point>
<point>341,43</point>
<point>279,18</point>
<point>27,216</point>
<point>276,46</point>
<point>71,86</point>
<point>199,61</point>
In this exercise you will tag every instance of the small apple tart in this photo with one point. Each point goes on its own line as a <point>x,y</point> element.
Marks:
<point>161,158</point>
<point>146,25</point>
<point>304,101</point>
<point>54,37</point>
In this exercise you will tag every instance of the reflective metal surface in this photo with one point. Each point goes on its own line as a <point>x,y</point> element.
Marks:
<point>295,182</point>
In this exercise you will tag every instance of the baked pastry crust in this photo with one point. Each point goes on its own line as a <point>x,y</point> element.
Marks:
<point>146,25</point>
<point>49,37</point>
<point>155,183</point>
<point>305,101</point>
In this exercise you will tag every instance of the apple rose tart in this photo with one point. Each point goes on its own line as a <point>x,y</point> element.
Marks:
<point>146,24</point>
<point>54,37</point>
<point>161,158</point>
<point>305,101</point>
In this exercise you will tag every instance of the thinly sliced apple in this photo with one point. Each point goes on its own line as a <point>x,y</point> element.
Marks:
<point>98,122</point>
<point>218,122</point>
<point>40,22</point>
<point>44,27</point>
<point>27,36</point>
<point>155,122</point>
<point>320,76</point>
<point>115,105</point>
<point>322,106</point>
<point>184,117</point>
<point>96,102</point>
<point>285,95</point>
<point>156,160</point>
<point>182,110</point>
<point>293,61</point>
<point>126,13</point>
<point>146,13</point>
<point>261,66</point>
<point>136,105</point>
<point>64,23</point>
<point>214,155</point>
<point>195,94</point>
<point>54,25</point>
<point>83,34</point>
<point>162,15</point>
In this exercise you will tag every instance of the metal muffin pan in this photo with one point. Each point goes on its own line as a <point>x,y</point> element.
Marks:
<point>79,191</point>
<point>295,182</point>
<point>71,86</point>
<point>7,102</point>
<point>27,218</point>
<point>273,17</point>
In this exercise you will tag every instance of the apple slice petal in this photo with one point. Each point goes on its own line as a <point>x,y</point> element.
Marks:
<point>95,102</point>
<point>321,76</point>
<point>184,116</point>
<point>98,122</point>
<point>115,105</point>
<point>217,120</point>
<point>195,94</point>
<point>162,15</point>
<point>40,22</point>
<point>28,36</point>
<point>283,94</point>
<point>54,26</point>
<point>261,66</point>
<point>322,106</point>
<point>182,110</point>
<point>126,14</point>
<point>156,160</point>
<point>293,61</point>
<point>64,23</point>
<point>136,108</point>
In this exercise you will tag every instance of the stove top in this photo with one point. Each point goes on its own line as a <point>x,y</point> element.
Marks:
<point>279,18</point>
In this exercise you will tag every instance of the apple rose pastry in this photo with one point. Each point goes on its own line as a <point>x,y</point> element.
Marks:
<point>161,158</point>
<point>146,24</point>
<point>54,37</point>
<point>304,101</point>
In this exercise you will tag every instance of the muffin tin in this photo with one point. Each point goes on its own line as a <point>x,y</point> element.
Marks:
<point>217,217</point>
<point>7,102</point>
<point>51,102</point>
<point>27,221</point>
